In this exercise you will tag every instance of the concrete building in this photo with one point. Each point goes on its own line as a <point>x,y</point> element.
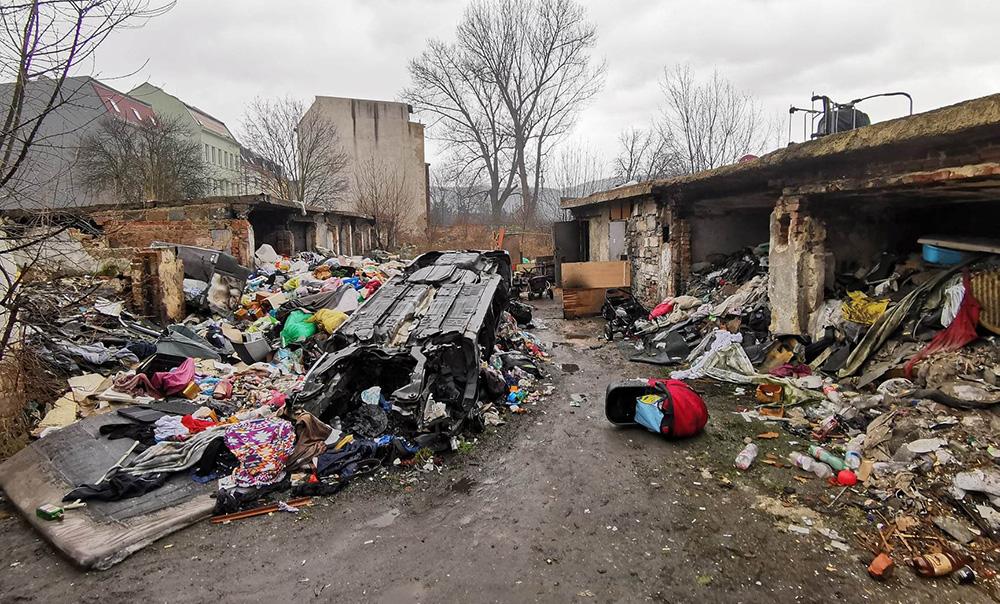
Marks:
<point>381,132</point>
<point>220,151</point>
<point>826,207</point>
<point>48,177</point>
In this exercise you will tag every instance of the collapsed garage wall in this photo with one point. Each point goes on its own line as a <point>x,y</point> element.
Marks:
<point>213,226</point>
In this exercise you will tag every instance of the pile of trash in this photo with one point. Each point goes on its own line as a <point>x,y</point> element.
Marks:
<point>730,294</point>
<point>293,377</point>
<point>891,398</point>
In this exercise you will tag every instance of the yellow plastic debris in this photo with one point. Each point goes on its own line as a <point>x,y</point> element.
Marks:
<point>330,320</point>
<point>859,308</point>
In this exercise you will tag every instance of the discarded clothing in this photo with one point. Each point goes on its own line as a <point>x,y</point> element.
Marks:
<point>310,439</point>
<point>789,370</point>
<point>120,485</point>
<point>262,446</point>
<point>348,460</point>
<point>719,356</point>
<point>162,384</point>
<point>141,433</point>
<point>172,456</point>
<point>195,425</point>
<point>169,427</point>
<point>961,331</point>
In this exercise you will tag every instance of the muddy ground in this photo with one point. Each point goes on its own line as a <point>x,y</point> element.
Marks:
<point>557,505</point>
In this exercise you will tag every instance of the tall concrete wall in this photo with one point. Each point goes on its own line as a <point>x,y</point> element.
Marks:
<point>382,131</point>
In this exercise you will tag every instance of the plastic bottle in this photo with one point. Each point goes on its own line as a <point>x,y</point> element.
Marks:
<point>820,469</point>
<point>852,458</point>
<point>833,394</point>
<point>746,456</point>
<point>826,457</point>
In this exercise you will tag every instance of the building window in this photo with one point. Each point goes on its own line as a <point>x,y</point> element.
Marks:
<point>114,105</point>
<point>214,160</point>
<point>206,153</point>
<point>136,114</point>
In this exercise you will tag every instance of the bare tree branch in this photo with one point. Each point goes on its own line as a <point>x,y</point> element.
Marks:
<point>141,162</point>
<point>304,147</point>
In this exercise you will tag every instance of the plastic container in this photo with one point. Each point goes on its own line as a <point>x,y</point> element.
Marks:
<point>852,458</point>
<point>820,469</point>
<point>828,458</point>
<point>943,256</point>
<point>746,456</point>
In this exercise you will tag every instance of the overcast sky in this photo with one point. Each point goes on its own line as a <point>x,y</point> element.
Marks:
<point>218,55</point>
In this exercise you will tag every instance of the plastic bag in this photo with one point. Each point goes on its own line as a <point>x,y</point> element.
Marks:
<point>297,328</point>
<point>331,320</point>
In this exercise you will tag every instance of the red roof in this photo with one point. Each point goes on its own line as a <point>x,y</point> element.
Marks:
<point>125,107</point>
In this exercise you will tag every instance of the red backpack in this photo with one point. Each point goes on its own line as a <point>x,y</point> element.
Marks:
<point>684,411</point>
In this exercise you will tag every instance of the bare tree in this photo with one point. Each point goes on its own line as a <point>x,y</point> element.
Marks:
<point>712,123</point>
<point>381,193</point>
<point>305,148</point>
<point>48,41</point>
<point>510,87</point>
<point>575,170</point>
<point>644,154</point>
<point>468,117</point>
<point>140,162</point>
<point>42,44</point>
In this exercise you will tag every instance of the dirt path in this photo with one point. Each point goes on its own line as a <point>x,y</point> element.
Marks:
<point>558,506</point>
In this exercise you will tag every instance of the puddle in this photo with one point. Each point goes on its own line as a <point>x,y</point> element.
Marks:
<point>463,485</point>
<point>385,519</point>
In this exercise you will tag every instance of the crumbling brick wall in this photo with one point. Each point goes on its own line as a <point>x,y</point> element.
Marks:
<point>213,226</point>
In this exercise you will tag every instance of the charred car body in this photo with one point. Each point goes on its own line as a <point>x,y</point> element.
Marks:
<point>421,338</point>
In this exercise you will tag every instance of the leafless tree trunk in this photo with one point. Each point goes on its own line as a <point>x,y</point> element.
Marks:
<point>305,147</point>
<point>43,42</point>
<point>513,84</point>
<point>468,116</point>
<point>712,123</point>
<point>151,161</point>
<point>381,193</point>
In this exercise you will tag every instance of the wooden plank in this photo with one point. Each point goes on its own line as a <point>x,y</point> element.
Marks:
<point>591,275</point>
<point>579,303</point>
<point>964,244</point>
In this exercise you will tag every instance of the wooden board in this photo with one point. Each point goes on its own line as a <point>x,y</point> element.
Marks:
<point>579,303</point>
<point>591,275</point>
<point>964,244</point>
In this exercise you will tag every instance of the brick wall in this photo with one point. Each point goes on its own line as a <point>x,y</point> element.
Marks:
<point>211,226</point>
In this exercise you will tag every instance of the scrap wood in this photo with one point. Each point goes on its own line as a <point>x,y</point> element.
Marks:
<point>801,479</point>
<point>768,435</point>
<point>259,511</point>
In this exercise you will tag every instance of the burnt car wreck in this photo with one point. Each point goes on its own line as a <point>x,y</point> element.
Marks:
<point>421,339</point>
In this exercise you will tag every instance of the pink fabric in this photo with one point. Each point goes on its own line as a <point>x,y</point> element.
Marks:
<point>162,384</point>
<point>175,380</point>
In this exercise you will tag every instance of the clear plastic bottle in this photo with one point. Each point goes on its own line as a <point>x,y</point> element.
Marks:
<point>852,458</point>
<point>746,456</point>
<point>820,469</point>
